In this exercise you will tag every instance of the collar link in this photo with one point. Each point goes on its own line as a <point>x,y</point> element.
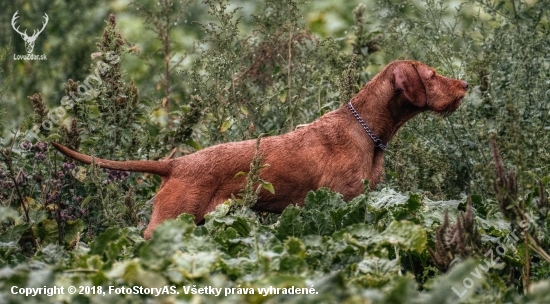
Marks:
<point>377,141</point>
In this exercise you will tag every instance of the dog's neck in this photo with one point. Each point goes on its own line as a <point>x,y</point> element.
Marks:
<point>383,110</point>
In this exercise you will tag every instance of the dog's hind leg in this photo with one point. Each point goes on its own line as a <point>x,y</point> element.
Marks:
<point>172,200</point>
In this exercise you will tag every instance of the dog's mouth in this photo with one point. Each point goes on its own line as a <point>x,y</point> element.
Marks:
<point>451,107</point>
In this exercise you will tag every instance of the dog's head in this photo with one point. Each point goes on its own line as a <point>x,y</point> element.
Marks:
<point>424,88</point>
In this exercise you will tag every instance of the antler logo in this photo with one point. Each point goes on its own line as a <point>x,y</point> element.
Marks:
<point>29,41</point>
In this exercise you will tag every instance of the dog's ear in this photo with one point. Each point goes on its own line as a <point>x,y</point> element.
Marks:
<point>408,81</point>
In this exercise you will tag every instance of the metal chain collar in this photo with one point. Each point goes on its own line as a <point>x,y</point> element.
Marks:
<point>377,141</point>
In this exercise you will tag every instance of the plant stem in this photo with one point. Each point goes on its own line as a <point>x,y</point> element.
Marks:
<point>291,118</point>
<point>543,254</point>
<point>8,162</point>
<point>527,257</point>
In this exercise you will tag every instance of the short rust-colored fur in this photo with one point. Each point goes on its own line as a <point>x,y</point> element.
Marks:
<point>333,151</point>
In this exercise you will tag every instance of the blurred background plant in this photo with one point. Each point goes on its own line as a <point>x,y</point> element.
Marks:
<point>241,69</point>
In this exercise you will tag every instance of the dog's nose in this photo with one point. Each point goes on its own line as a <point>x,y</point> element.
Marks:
<point>465,85</point>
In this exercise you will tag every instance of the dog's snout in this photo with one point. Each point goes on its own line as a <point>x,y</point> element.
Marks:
<point>465,85</point>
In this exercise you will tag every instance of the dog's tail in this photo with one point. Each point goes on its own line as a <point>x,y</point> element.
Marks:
<point>161,168</point>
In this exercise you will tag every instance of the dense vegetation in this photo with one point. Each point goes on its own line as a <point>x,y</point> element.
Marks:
<point>461,217</point>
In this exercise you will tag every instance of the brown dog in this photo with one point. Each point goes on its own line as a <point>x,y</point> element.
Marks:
<point>337,151</point>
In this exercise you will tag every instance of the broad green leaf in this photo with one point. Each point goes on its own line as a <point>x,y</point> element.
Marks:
<point>29,201</point>
<point>387,198</point>
<point>110,244</point>
<point>195,265</point>
<point>220,211</point>
<point>361,230</point>
<point>292,261</point>
<point>168,238</point>
<point>282,96</point>
<point>244,110</point>
<point>406,235</point>
<point>225,125</point>
<point>434,211</point>
<point>100,243</point>
<point>316,214</point>
<point>193,144</point>
<point>53,254</point>
<point>7,213</point>
<point>38,216</point>
<point>226,238</point>
<point>379,267</point>
<point>53,137</point>
<point>450,288</point>
<point>94,262</point>
<point>317,222</point>
<point>189,219</point>
<point>10,254</point>
<point>13,233</point>
<point>47,230</point>
<point>295,246</point>
<point>130,272</point>
<point>398,290</point>
<point>539,292</point>
<point>79,173</point>
<point>268,186</point>
<point>86,200</point>
<point>290,223</point>
<point>241,225</point>
<point>73,229</point>
<point>292,264</point>
<point>241,173</point>
<point>323,200</point>
<point>355,212</point>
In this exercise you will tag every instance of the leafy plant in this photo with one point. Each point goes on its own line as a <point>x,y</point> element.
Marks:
<point>486,43</point>
<point>68,225</point>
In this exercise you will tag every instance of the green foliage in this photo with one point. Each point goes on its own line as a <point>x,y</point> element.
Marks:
<point>67,41</point>
<point>499,48</point>
<point>3,55</point>
<point>367,258</point>
<point>249,196</point>
<point>58,202</point>
<point>263,82</point>
<point>218,72</point>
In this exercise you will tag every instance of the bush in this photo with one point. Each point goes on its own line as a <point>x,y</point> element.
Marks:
<point>499,48</point>
<point>65,224</point>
